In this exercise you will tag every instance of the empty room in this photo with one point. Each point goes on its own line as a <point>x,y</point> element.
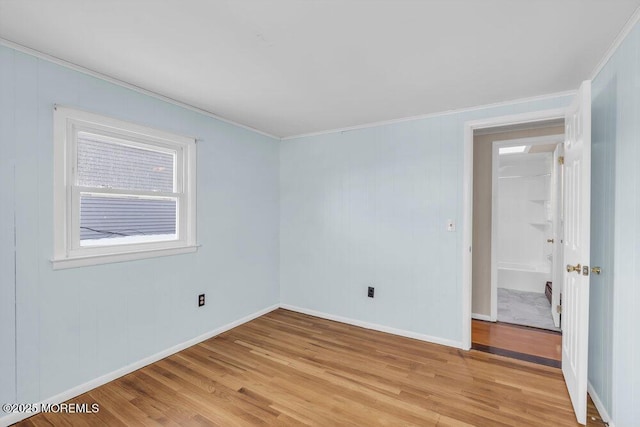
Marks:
<point>291,212</point>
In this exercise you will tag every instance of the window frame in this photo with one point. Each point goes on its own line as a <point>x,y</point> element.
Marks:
<point>68,252</point>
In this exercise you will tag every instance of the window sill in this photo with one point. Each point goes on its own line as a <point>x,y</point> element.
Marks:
<point>84,261</point>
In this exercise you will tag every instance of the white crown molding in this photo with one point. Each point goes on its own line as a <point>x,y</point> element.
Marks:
<point>75,67</point>
<point>624,32</point>
<point>437,114</point>
<point>90,385</point>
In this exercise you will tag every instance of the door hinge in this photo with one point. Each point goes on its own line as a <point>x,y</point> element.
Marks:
<point>559,308</point>
<point>561,160</point>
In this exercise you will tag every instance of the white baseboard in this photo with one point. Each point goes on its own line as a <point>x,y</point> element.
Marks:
<point>375,327</point>
<point>90,385</point>
<point>484,317</point>
<point>599,405</point>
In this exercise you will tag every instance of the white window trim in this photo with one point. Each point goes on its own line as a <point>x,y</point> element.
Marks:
<point>67,252</point>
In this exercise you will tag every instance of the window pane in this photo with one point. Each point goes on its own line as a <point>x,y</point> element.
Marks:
<point>105,164</point>
<point>116,220</point>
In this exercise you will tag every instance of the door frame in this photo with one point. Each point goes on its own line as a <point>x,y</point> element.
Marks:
<point>496,145</point>
<point>558,232</point>
<point>467,198</point>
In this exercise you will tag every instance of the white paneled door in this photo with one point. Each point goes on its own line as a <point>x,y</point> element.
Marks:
<point>575,297</point>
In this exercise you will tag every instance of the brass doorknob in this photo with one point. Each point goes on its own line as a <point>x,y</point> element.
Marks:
<point>550,240</point>
<point>596,270</point>
<point>575,268</point>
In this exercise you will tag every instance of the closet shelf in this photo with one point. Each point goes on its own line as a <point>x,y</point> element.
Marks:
<point>524,176</point>
<point>540,224</point>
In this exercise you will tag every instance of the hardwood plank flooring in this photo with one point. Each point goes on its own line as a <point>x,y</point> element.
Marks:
<point>287,368</point>
<point>519,339</point>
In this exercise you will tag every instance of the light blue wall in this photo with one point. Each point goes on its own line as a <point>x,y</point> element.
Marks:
<point>7,259</point>
<point>617,120</point>
<point>603,137</point>
<point>369,207</point>
<point>78,324</point>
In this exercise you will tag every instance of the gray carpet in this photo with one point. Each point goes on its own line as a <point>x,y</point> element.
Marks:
<point>524,308</point>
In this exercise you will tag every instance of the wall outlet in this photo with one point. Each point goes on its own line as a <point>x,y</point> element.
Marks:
<point>370,291</point>
<point>200,300</point>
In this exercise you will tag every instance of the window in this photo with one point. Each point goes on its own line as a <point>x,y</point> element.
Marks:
<point>121,191</point>
<point>514,150</point>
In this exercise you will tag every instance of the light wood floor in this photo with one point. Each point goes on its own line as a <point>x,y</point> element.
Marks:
<point>287,368</point>
<point>536,343</point>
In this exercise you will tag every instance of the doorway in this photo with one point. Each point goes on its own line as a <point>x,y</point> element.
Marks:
<point>576,198</point>
<point>526,228</point>
<point>504,124</point>
<point>516,222</point>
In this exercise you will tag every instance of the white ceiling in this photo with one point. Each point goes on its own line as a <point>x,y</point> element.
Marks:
<point>290,67</point>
